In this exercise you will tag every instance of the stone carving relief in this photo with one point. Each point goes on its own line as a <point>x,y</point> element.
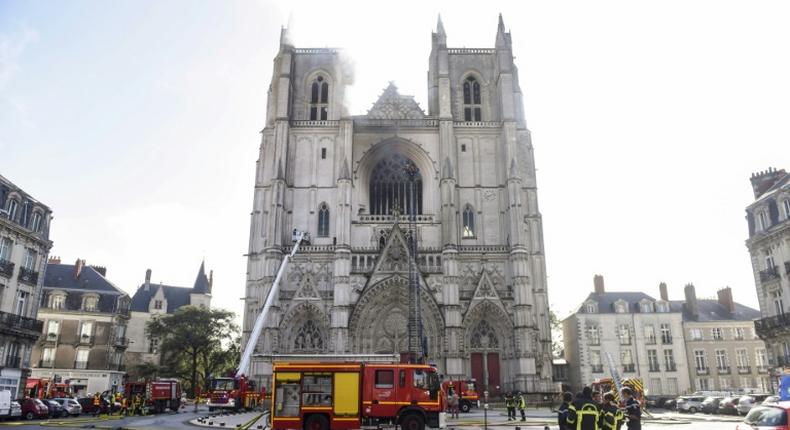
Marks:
<point>392,105</point>
<point>484,336</point>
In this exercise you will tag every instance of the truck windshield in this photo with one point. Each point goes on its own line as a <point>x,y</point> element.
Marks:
<point>433,381</point>
<point>224,384</point>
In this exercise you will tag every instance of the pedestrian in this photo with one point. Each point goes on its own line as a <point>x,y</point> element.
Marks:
<point>522,405</point>
<point>562,411</point>
<point>611,415</point>
<point>96,404</point>
<point>633,410</point>
<point>583,413</point>
<point>510,404</point>
<point>452,401</point>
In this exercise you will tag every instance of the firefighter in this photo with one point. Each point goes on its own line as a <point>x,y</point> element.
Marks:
<point>522,405</point>
<point>562,411</point>
<point>611,416</point>
<point>136,404</point>
<point>510,404</point>
<point>124,406</point>
<point>632,410</point>
<point>96,404</point>
<point>583,413</point>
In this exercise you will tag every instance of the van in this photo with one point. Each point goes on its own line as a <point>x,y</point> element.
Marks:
<point>5,404</point>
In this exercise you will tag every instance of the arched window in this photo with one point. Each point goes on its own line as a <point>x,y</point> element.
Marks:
<point>469,222</point>
<point>391,187</point>
<point>472,108</point>
<point>323,220</point>
<point>12,208</point>
<point>319,99</point>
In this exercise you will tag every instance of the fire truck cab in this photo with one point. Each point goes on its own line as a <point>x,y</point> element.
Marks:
<point>467,393</point>
<point>232,393</point>
<point>320,396</point>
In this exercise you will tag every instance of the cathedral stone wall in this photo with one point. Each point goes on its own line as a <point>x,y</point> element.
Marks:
<point>472,208</point>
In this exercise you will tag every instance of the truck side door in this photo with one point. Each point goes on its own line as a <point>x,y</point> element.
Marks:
<point>383,399</point>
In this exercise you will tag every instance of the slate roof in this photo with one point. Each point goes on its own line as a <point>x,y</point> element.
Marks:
<point>606,300</point>
<point>175,296</point>
<point>711,310</point>
<point>61,276</point>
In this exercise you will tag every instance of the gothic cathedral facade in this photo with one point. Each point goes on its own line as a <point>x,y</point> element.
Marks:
<point>470,201</point>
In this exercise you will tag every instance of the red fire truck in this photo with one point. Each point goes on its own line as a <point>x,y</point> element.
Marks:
<point>158,395</point>
<point>233,393</point>
<point>467,394</point>
<point>44,388</point>
<point>321,395</point>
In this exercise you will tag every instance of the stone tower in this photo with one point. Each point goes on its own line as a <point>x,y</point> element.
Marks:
<point>474,203</point>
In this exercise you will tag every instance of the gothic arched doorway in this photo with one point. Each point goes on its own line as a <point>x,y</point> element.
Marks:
<point>489,342</point>
<point>379,320</point>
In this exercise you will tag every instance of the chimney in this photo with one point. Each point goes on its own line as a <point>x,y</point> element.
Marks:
<point>147,279</point>
<point>78,265</point>
<point>54,260</point>
<point>662,289</point>
<point>762,181</point>
<point>725,299</point>
<point>691,300</point>
<point>598,283</point>
<point>101,269</point>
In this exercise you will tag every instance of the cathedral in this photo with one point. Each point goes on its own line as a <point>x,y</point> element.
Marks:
<point>449,193</point>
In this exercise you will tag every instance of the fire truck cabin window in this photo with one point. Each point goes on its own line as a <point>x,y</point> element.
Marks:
<point>420,379</point>
<point>402,377</point>
<point>385,378</point>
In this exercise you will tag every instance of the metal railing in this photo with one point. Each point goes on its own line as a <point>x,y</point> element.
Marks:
<point>46,363</point>
<point>666,339</point>
<point>724,370</point>
<point>18,322</point>
<point>6,268</point>
<point>596,368</point>
<point>769,274</point>
<point>743,370</point>
<point>80,364</point>
<point>629,368</point>
<point>27,276</point>
<point>703,370</point>
<point>654,368</point>
<point>764,325</point>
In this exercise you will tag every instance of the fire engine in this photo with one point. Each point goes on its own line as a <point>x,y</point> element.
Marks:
<point>605,385</point>
<point>467,394</point>
<point>44,388</point>
<point>158,395</point>
<point>320,396</point>
<point>233,393</point>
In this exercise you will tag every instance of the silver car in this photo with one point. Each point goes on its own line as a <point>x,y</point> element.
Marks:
<point>690,404</point>
<point>71,406</point>
<point>746,403</point>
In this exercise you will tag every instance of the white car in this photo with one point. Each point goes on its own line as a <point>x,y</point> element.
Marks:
<point>690,404</point>
<point>746,403</point>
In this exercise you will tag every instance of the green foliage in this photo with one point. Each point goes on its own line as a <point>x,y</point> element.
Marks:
<point>196,342</point>
<point>557,344</point>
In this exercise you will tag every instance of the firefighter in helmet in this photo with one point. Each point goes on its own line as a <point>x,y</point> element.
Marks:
<point>611,415</point>
<point>96,404</point>
<point>583,413</point>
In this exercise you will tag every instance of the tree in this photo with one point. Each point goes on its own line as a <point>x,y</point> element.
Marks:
<point>191,341</point>
<point>557,343</point>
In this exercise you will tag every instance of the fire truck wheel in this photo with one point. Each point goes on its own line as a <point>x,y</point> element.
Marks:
<point>412,422</point>
<point>316,422</point>
<point>465,407</point>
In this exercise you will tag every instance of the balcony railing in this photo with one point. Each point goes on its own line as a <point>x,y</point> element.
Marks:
<point>80,364</point>
<point>628,368</point>
<point>666,340</point>
<point>671,367</point>
<point>650,340</point>
<point>86,338</point>
<point>6,268</point>
<point>46,363</point>
<point>744,370</point>
<point>703,371</point>
<point>769,274</point>
<point>724,370</point>
<point>654,367</point>
<point>763,326</point>
<point>762,369</point>
<point>27,276</point>
<point>15,322</point>
<point>596,368</point>
<point>51,337</point>
<point>593,341</point>
<point>12,361</point>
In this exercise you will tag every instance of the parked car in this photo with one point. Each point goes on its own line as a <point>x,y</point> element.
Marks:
<point>55,409</point>
<point>729,405</point>
<point>766,417</point>
<point>88,408</point>
<point>690,404</point>
<point>746,403</point>
<point>670,404</point>
<point>34,408</point>
<point>16,409</point>
<point>5,404</point>
<point>771,400</point>
<point>70,406</point>
<point>710,405</point>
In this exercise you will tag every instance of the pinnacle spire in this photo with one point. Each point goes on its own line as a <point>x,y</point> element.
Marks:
<point>202,284</point>
<point>344,172</point>
<point>501,26</point>
<point>440,26</point>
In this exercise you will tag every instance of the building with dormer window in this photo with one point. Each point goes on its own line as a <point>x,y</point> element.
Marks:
<point>152,300</point>
<point>462,170</point>
<point>24,247</point>
<point>639,335</point>
<point>85,319</point>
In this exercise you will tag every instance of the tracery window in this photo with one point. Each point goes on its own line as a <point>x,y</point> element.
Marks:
<point>484,336</point>
<point>472,106</point>
<point>308,337</point>
<point>469,222</point>
<point>390,187</point>
<point>319,99</point>
<point>323,221</point>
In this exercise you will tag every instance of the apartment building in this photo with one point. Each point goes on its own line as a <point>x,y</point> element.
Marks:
<point>24,247</point>
<point>85,318</point>
<point>637,334</point>
<point>724,351</point>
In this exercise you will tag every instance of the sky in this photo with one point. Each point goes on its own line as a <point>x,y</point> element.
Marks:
<point>137,123</point>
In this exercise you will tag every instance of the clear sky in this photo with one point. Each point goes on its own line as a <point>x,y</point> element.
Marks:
<point>138,124</point>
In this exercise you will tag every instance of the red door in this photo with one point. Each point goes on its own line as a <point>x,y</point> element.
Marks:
<point>493,373</point>
<point>477,368</point>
